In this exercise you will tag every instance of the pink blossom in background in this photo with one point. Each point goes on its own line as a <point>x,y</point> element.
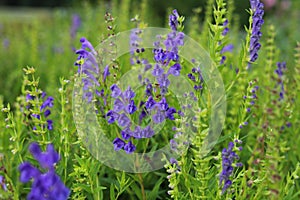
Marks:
<point>269,3</point>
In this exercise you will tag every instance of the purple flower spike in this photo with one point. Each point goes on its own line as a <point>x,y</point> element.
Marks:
<point>150,103</point>
<point>257,22</point>
<point>173,20</point>
<point>47,185</point>
<point>148,132</point>
<point>118,105</point>
<point>86,44</point>
<point>175,69</point>
<point>131,108</point>
<point>46,159</point>
<point>126,134</point>
<point>129,94</point>
<point>115,91</point>
<point>123,120</point>
<point>149,89</point>
<point>157,71</point>
<point>163,105</point>
<point>129,147</point>
<point>228,158</point>
<point>159,117</point>
<point>163,80</point>
<point>112,116</point>
<point>28,172</point>
<point>170,113</point>
<point>118,144</point>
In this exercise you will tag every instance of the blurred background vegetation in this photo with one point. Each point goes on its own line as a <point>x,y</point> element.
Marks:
<point>37,33</point>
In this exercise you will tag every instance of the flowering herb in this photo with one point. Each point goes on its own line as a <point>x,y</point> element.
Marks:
<point>47,104</point>
<point>88,67</point>
<point>45,185</point>
<point>229,157</point>
<point>257,22</point>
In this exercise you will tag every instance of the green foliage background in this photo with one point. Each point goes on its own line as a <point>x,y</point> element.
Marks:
<point>42,39</point>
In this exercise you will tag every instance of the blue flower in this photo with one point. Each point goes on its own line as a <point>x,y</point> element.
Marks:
<point>160,55</point>
<point>227,48</point>
<point>50,124</point>
<point>175,69</point>
<point>47,103</point>
<point>48,185</point>
<point>170,113</point>
<point>118,144</point>
<point>163,81</point>
<point>150,103</point>
<point>123,120</point>
<point>228,158</point>
<point>29,97</point>
<point>116,91</point>
<point>226,29</point>
<point>149,89</point>
<point>47,113</point>
<point>129,147</point>
<point>157,71</point>
<point>128,94</point>
<point>147,132</point>
<point>257,22</point>
<point>139,133</point>
<point>173,20</point>
<point>46,159</point>
<point>112,116</point>
<point>159,117</point>
<point>131,108</point>
<point>163,105</point>
<point>126,133</point>
<point>118,105</point>
<point>88,66</point>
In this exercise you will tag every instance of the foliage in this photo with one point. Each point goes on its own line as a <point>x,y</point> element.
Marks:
<point>256,156</point>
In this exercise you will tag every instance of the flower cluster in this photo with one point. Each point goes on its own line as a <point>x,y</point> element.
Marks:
<point>281,67</point>
<point>88,66</point>
<point>164,57</point>
<point>159,110</point>
<point>173,20</point>
<point>123,107</point>
<point>48,185</point>
<point>229,156</point>
<point>44,108</point>
<point>257,21</point>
